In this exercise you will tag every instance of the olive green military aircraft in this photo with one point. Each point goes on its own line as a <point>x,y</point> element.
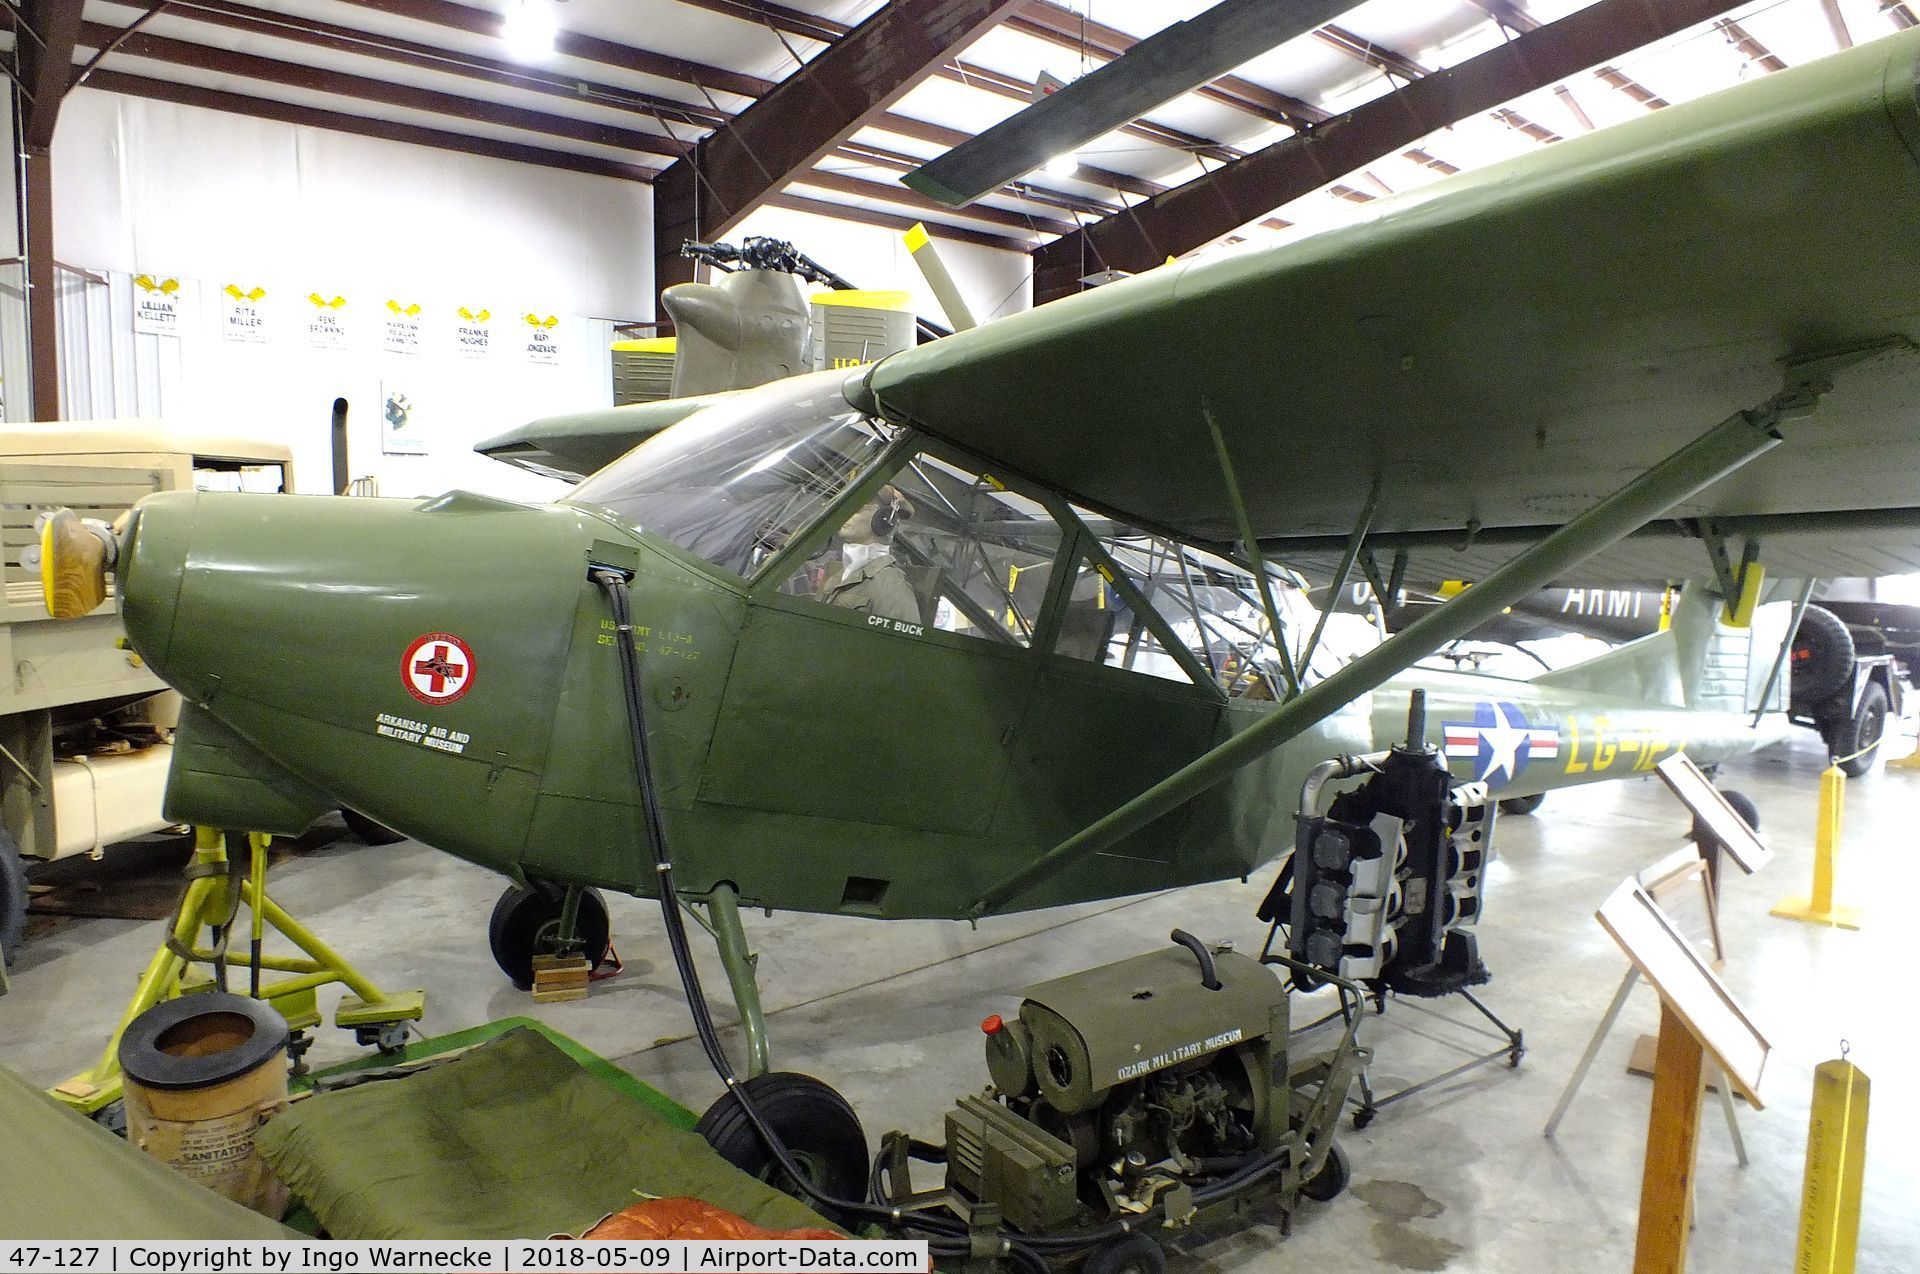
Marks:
<point>993,624</point>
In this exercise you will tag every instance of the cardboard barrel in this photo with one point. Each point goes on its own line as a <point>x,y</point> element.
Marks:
<point>201,1073</point>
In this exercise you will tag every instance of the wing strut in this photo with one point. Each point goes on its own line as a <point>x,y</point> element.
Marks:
<point>1250,545</point>
<point>1726,447</point>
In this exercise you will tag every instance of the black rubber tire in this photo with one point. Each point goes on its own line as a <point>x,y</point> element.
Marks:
<point>1328,1184</point>
<point>1523,804</point>
<point>1860,738</point>
<point>13,898</point>
<point>1822,658</point>
<point>368,832</point>
<point>1742,805</point>
<point>1128,1254</point>
<point>814,1122</point>
<point>514,929</point>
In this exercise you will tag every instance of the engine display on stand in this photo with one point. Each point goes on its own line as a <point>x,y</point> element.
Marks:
<point>1387,883</point>
<point>1384,887</point>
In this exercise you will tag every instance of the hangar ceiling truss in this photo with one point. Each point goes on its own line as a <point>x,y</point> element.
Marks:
<point>729,104</point>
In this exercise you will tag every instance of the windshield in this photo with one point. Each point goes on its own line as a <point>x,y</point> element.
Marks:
<point>733,482</point>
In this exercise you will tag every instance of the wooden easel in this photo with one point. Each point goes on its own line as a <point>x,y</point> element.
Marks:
<point>1665,880</point>
<point>1699,1020</point>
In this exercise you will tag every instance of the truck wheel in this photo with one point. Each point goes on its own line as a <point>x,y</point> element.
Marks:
<point>1859,741</point>
<point>13,897</point>
<point>1822,657</point>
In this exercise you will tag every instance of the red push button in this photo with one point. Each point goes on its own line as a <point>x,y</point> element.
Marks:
<point>993,1025</point>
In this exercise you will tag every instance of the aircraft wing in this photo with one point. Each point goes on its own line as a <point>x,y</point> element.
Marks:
<point>575,444</point>
<point>1496,352</point>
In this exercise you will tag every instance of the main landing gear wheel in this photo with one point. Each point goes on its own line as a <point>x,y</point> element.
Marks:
<point>1523,804</point>
<point>368,832</point>
<point>1857,742</point>
<point>816,1125</point>
<point>1742,805</point>
<point>1129,1254</point>
<point>13,897</point>
<point>1327,1184</point>
<point>526,923</point>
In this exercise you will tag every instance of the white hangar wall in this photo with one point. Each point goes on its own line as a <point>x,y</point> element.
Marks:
<point>214,199</point>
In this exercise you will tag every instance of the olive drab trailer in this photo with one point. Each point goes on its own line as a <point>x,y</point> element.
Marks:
<point>85,723</point>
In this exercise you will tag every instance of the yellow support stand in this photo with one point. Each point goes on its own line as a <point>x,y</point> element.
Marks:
<point>1911,761</point>
<point>1836,1165</point>
<point>376,1016</point>
<point>1819,908</point>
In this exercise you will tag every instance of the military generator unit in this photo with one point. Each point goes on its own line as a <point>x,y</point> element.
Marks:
<point>1127,1098</point>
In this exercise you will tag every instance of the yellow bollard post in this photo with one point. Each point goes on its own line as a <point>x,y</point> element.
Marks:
<point>1819,908</point>
<point>1836,1166</point>
<point>1911,761</point>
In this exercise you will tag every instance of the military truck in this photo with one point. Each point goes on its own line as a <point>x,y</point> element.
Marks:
<point>85,727</point>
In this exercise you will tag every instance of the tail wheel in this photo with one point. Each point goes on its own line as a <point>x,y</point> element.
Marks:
<point>1742,805</point>
<point>1860,738</point>
<point>817,1126</point>
<point>1523,804</point>
<point>13,897</point>
<point>526,923</point>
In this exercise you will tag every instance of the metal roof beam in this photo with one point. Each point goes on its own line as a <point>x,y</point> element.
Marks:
<point>337,38</point>
<point>1393,64</point>
<point>359,125</point>
<point>1748,47</point>
<point>1518,20</point>
<point>573,44</point>
<point>45,33</point>
<point>361,88</point>
<point>785,21</point>
<point>351,40</point>
<point>781,137</point>
<point>1190,216</point>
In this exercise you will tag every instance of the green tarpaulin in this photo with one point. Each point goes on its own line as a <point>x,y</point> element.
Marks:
<point>511,1140</point>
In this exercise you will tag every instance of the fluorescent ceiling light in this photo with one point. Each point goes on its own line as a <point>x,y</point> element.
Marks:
<point>1063,165</point>
<point>529,29</point>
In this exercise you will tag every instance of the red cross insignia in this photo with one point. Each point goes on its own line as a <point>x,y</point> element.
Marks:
<point>437,668</point>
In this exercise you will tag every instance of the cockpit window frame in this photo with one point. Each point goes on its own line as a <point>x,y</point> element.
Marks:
<point>907,445</point>
<point>1089,545</point>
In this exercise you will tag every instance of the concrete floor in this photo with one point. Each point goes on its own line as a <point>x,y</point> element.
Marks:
<point>1458,1178</point>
